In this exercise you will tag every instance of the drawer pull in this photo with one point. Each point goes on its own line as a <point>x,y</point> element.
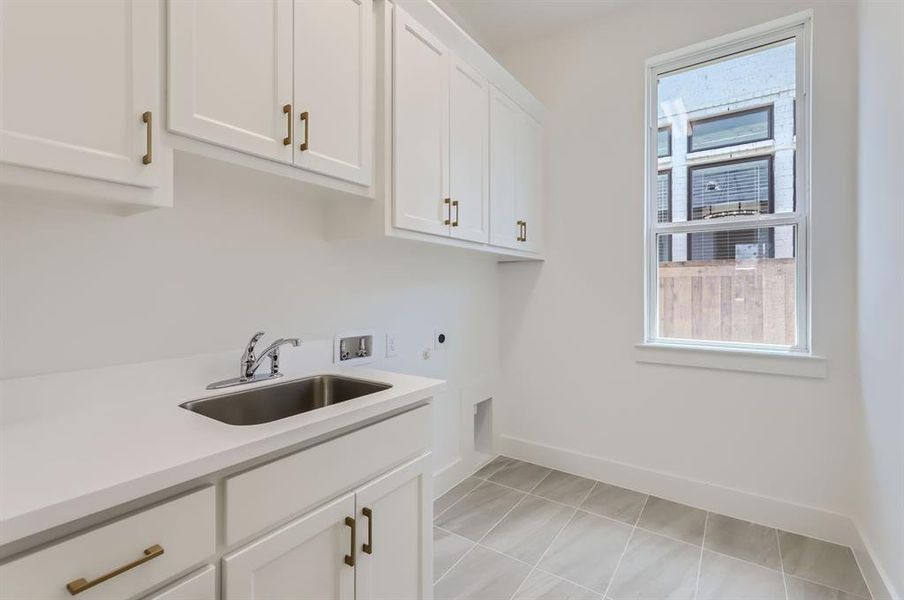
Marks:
<point>447,203</point>
<point>368,548</point>
<point>455,206</point>
<point>79,585</point>
<point>350,558</point>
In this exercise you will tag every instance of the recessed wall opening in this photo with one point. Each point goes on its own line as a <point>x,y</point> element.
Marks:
<point>483,426</point>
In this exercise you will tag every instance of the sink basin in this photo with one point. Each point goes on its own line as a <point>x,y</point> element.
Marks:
<point>274,402</point>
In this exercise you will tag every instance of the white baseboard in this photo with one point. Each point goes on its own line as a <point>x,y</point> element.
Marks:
<point>877,580</point>
<point>805,520</point>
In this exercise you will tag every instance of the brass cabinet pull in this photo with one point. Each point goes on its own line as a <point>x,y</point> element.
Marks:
<point>81,584</point>
<point>455,206</point>
<point>447,202</point>
<point>287,110</point>
<point>350,558</point>
<point>520,238</point>
<point>523,231</point>
<point>148,119</point>
<point>368,548</point>
<point>307,125</point>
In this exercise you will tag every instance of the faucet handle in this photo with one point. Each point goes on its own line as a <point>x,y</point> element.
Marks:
<point>253,342</point>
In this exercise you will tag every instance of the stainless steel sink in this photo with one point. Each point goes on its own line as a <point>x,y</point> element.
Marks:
<point>274,402</point>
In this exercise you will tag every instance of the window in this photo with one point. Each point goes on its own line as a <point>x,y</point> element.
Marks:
<point>664,142</point>
<point>727,228</point>
<point>738,127</point>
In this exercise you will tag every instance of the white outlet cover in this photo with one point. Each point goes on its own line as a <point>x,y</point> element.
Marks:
<point>392,345</point>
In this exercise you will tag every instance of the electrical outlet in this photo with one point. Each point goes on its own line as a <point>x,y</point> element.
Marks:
<point>440,339</point>
<point>391,345</point>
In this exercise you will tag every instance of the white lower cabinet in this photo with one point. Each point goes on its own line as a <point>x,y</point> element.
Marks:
<point>311,557</point>
<point>372,543</point>
<point>394,517</point>
<point>200,585</point>
<point>348,518</point>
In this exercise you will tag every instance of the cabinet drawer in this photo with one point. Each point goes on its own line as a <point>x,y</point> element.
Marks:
<point>200,585</point>
<point>184,528</point>
<point>269,494</point>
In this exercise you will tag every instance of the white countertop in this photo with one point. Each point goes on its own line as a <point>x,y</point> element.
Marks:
<point>73,444</point>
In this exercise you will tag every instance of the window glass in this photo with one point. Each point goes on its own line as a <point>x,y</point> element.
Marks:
<point>730,130</point>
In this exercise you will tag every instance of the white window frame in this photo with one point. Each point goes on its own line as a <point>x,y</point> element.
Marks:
<point>799,28</point>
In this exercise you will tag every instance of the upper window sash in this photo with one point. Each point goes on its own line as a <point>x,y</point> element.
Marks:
<point>762,116</point>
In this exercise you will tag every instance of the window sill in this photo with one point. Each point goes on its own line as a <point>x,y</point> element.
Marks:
<point>751,361</point>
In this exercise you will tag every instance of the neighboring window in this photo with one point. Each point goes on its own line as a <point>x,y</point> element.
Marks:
<point>728,229</point>
<point>730,189</point>
<point>739,127</point>
<point>664,211</point>
<point>664,142</point>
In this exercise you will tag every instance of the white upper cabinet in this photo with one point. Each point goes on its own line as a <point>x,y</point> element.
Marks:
<point>421,129</point>
<point>515,175</point>
<point>530,181</point>
<point>230,74</point>
<point>466,157</point>
<point>505,218</point>
<point>469,153</point>
<point>334,81</point>
<point>76,81</point>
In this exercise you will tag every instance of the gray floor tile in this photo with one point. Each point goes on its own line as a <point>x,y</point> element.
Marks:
<point>482,575</point>
<point>798,589</point>
<point>491,467</point>
<point>520,475</point>
<point>564,488</point>
<point>543,586</point>
<point>821,562</point>
<point>744,540</point>
<point>674,520</point>
<point>447,549</point>
<point>527,531</point>
<point>656,567</point>
<point>454,495</point>
<point>587,550</point>
<point>615,502</point>
<point>477,513</point>
<point>723,577</point>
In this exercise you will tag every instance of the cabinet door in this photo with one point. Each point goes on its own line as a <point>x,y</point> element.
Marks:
<point>230,74</point>
<point>529,182</point>
<point>334,74</point>
<point>75,80</point>
<point>395,561</point>
<point>505,130</point>
<point>421,128</point>
<point>469,153</point>
<point>301,560</point>
<point>200,585</point>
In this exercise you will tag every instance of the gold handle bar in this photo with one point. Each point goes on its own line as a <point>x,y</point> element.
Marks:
<point>81,584</point>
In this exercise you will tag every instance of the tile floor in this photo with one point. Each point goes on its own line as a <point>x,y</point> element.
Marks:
<point>515,530</point>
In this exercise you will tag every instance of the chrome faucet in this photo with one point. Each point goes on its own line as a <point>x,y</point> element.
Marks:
<point>250,363</point>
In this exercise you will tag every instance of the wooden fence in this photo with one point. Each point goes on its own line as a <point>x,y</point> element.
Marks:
<point>728,300</point>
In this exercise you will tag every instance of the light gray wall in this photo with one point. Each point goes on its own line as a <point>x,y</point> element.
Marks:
<point>569,326</point>
<point>241,251</point>
<point>880,200</point>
